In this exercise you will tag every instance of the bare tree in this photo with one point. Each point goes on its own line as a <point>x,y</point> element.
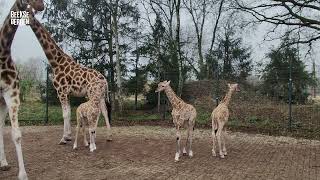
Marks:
<point>198,9</point>
<point>177,4</point>
<point>115,7</point>
<point>300,17</point>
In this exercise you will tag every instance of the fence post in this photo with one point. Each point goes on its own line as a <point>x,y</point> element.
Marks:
<point>47,96</point>
<point>290,94</point>
<point>217,85</point>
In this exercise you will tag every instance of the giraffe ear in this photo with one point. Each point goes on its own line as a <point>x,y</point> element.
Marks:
<point>168,82</point>
<point>229,85</point>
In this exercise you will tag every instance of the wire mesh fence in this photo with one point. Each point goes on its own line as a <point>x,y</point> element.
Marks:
<point>251,110</point>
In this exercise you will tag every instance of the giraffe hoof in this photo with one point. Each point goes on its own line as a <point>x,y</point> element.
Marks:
<point>5,168</point>
<point>190,154</point>
<point>184,152</point>
<point>176,158</point>
<point>222,156</point>
<point>67,138</point>
<point>62,142</point>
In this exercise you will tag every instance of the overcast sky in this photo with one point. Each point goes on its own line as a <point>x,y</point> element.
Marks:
<point>26,46</point>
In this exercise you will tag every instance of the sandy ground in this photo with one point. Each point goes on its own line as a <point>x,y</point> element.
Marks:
<point>147,152</point>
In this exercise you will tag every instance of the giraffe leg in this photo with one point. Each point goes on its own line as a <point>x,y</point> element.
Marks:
<point>184,151</point>
<point>13,102</point>
<point>66,111</point>
<point>178,145</point>
<point>224,136</point>
<point>3,112</point>
<point>219,132</point>
<point>92,139</point>
<point>106,117</point>
<point>75,145</point>
<point>213,139</point>
<point>190,134</point>
<point>84,132</point>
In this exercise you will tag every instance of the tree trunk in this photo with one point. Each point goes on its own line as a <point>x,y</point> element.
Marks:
<point>159,71</point>
<point>214,37</point>
<point>180,84</point>
<point>110,44</point>
<point>118,64</point>
<point>137,74</point>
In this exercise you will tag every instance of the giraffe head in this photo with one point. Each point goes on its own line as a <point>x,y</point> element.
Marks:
<point>234,87</point>
<point>37,5</point>
<point>162,86</point>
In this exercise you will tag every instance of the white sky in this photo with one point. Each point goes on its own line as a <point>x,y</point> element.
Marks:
<point>26,46</point>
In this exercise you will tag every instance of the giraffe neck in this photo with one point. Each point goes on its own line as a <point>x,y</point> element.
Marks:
<point>173,98</point>
<point>227,98</point>
<point>52,51</point>
<point>8,30</point>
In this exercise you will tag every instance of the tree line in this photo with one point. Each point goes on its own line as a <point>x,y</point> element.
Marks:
<point>135,42</point>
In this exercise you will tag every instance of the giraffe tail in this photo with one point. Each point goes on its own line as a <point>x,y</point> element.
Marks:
<point>108,102</point>
<point>109,108</point>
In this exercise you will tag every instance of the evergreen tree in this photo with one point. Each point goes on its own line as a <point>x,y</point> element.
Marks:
<point>236,58</point>
<point>277,72</point>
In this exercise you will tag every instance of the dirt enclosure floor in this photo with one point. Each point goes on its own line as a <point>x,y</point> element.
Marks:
<point>145,152</point>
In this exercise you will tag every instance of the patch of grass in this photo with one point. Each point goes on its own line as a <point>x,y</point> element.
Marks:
<point>203,118</point>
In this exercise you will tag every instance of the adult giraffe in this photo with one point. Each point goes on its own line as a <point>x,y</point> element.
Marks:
<point>9,84</point>
<point>70,78</point>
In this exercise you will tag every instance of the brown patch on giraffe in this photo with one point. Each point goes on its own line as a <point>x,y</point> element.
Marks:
<point>14,109</point>
<point>59,76</point>
<point>10,65</point>
<point>71,73</point>
<point>51,46</point>
<point>45,46</point>
<point>62,60</point>
<point>4,65</point>
<point>14,94</point>
<point>16,101</point>
<point>65,64</point>
<point>77,75</point>
<point>5,29</point>
<point>55,84</point>
<point>3,43</point>
<point>84,75</point>
<point>62,81</point>
<point>68,78</point>
<point>7,76</point>
<point>62,67</point>
<point>54,51</point>
<point>101,77</point>
<point>49,55</point>
<point>53,64</point>
<point>67,69</point>
<point>15,85</point>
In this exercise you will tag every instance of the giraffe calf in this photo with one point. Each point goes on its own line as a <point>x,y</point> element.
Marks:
<point>87,115</point>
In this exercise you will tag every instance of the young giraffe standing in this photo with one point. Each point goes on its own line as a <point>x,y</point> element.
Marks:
<point>9,85</point>
<point>69,78</point>
<point>219,117</point>
<point>181,113</point>
<point>88,113</point>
